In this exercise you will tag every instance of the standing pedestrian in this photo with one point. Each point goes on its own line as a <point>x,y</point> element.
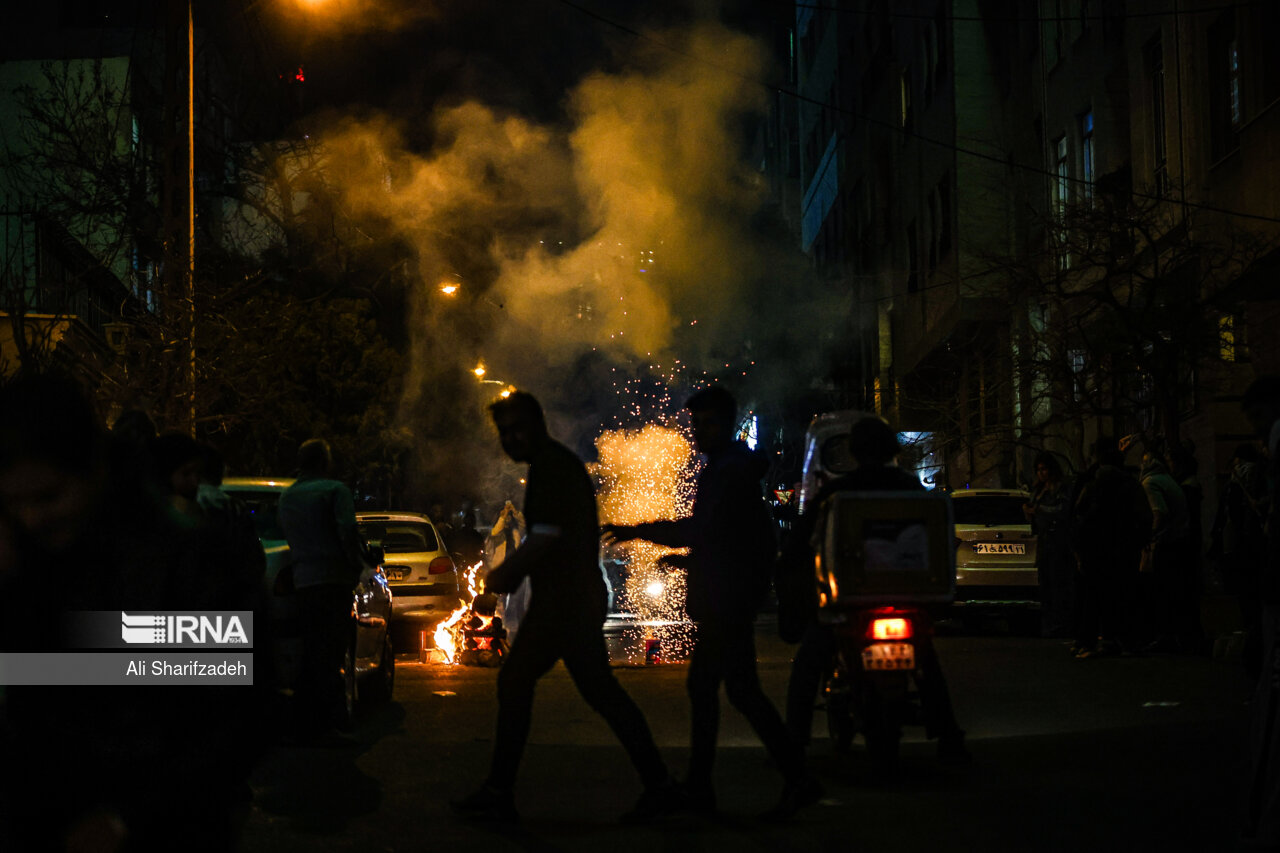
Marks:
<point>732,548</point>
<point>318,517</point>
<point>177,460</point>
<point>1175,601</point>
<point>1261,829</point>
<point>1238,544</point>
<point>1110,525</point>
<point>507,534</point>
<point>1049,513</point>
<point>565,620</point>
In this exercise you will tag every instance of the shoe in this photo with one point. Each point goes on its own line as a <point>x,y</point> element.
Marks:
<point>1104,649</point>
<point>487,803</point>
<point>1164,645</point>
<point>698,797</point>
<point>795,796</point>
<point>332,739</point>
<point>656,803</point>
<point>952,751</point>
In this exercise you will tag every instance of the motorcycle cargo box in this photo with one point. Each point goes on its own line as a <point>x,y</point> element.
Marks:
<point>885,548</point>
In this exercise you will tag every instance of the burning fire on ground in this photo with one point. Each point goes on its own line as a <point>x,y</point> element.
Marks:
<point>468,635</point>
<point>648,475</point>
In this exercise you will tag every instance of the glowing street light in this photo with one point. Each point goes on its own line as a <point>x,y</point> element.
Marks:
<point>480,370</point>
<point>449,288</point>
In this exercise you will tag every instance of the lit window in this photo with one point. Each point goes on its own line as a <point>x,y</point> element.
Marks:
<point>1233,81</point>
<point>1062,186</point>
<point>905,100</point>
<point>1086,153</point>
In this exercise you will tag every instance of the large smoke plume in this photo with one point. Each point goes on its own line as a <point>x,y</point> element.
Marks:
<point>626,237</point>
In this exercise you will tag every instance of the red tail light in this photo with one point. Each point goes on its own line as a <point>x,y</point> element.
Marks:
<point>890,628</point>
<point>440,565</point>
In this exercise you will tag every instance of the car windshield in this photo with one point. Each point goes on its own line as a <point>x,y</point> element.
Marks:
<point>263,506</point>
<point>400,537</point>
<point>989,510</point>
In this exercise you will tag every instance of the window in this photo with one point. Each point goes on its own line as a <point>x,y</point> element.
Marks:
<point>1061,196</point>
<point>913,263</point>
<point>1076,361</point>
<point>930,60</point>
<point>1053,33</point>
<point>1226,110</point>
<point>941,29</point>
<point>982,377</point>
<point>1159,152</point>
<point>944,205</point>
<point>905,89</point>
<point>1086,155</point>
<point>1231,338</point>
<point>1062,184</point>
<point>1233,83</point>
<point>935,227</point>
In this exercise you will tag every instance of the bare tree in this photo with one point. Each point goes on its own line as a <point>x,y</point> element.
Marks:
<point>1130,301</point>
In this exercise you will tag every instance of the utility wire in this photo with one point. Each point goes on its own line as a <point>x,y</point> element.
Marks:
<point>784,90</point>
<point>1099,16</point>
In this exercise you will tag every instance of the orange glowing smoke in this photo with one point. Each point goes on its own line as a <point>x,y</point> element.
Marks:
<point>448,634</point>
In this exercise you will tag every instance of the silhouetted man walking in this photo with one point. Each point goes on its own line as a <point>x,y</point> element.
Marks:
<point>565,621</point>
<point>732,548</point>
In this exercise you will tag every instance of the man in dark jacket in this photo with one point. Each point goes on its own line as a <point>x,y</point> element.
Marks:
<point>1175,600</point>
<point>1261,831</point>
<point>565,620</point>
<point>1110,525</point>
<point>318,517</point>
<point>732,547</point>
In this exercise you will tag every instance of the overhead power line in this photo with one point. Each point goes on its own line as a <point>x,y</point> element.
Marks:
<point>896,128</point>
<point>1016,19</point>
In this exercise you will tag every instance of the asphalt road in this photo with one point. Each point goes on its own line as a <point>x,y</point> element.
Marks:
<point>1132,754</point>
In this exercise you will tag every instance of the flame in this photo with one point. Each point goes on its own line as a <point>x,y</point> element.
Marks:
<point>448,634</point>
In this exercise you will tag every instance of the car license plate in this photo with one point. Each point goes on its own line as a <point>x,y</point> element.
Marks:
<point>397,574</point>
<point>881,656</point>
<point>999,548</point>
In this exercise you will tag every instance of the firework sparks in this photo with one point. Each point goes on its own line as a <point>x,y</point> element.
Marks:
<point>647,475</point>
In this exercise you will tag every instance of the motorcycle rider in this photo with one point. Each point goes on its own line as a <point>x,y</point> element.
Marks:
<point>873,444</point>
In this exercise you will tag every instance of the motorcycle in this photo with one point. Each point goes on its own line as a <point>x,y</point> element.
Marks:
<point>884,559</point>
<point>872,684</point>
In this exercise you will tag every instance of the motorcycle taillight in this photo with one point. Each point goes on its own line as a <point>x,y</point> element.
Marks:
<point>891,628</point>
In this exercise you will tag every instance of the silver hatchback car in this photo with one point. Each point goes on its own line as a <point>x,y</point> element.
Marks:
<point>420,571</point>
<point>995,548</point>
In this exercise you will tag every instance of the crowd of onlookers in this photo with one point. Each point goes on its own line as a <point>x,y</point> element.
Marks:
<point>128,521</point>
<point>1122,555</point>
<point>1123,561</point>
